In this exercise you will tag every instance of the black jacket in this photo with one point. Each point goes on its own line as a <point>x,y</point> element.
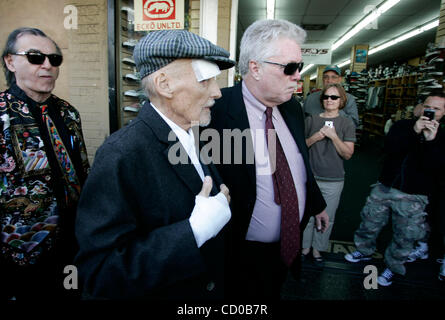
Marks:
<point>411,163</point>
<point>132,225</point>
<point>229,112</point>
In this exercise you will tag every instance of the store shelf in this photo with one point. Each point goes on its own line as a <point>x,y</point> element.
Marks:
<point>400,92</point>
<point>124,54</point>
<point>374,123</point>
<point>127,78</point>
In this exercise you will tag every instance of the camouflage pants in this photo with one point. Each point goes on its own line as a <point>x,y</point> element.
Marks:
<point>408,224</point>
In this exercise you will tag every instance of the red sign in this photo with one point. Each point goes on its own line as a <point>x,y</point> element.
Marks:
<point>299,88</point>
<point>158,15</point>
<point>159,10</point>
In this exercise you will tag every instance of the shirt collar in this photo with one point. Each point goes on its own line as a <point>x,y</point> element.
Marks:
<point>20,94</point>
<point>186,138</point>
<point>255,106</point>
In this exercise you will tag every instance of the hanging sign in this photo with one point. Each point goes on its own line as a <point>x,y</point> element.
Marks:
<point>158,15</point>
<point>316,53</point>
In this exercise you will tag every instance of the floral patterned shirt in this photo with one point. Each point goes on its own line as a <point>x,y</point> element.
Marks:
<point>31,182</point>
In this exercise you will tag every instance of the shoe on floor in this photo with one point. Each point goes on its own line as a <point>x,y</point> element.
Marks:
<point>304,257</point>
<point>418,253</point>
<point>385,279</point>
<point>357,256</point>
<point>318,259</point>
<point>442,269</point>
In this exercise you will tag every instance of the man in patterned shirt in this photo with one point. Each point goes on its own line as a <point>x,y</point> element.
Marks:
<point>43,164</point>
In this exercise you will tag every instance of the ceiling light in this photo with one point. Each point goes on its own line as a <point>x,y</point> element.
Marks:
<point>306,68</point>
<point>364,22</point>
<point>409,34</point>
<point>270,9</point>
<point>341,65</point>
<point>405,36</point>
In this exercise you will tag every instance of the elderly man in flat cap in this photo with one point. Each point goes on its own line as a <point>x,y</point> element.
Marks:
<point>149,223</point>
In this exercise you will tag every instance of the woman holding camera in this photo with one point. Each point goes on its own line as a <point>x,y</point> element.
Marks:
<point>330,138</point>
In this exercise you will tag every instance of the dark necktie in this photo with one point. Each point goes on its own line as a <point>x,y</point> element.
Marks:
<point>286,196</point>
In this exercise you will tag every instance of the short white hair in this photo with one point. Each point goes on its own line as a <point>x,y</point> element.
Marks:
<point>148,86</point>
<point>258,40</point>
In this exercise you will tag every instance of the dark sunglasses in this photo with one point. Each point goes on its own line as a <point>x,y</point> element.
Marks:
<point>326,97</point>
<point>290,68</point>
<point>35,57</point>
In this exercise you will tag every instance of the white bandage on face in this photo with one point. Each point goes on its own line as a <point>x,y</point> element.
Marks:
<point>205,70</point>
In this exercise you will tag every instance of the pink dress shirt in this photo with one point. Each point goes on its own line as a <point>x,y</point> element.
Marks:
<point>266,218</point>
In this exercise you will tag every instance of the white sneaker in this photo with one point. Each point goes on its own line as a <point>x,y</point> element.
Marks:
<point>129,61</point>
<point>385,278</point>
<point>426,67</point>
<point>131,93</point>
<point>357,256</point>
<point>133,108</point>
<point>426,80</point>
<point>433,86</point>
<point>128,10</point>
<point>435,52</point>
<point>418,253</point>
<point>131,43</point>
<point>442,269</point>
<point>131,76</point>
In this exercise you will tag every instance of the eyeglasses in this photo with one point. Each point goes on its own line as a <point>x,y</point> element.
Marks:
<point>35,57</point>
<point>326,97</point>
<point>290,68</point>
<point>333,77</point>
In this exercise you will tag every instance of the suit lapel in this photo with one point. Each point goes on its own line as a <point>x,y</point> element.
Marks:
<point>238,120</point>
<point>215,182</point>
<point>185,171</point>
<point>292,118</point>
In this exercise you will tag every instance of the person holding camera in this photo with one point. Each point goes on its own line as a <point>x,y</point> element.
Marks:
<point>413,158</point>
<point>330,138</point>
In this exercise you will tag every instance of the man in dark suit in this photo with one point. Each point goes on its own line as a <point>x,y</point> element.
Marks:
<point>149,219</point>
<point>270,208</point>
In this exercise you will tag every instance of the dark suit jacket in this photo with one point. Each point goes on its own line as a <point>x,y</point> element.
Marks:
<point>229,112</point>
<point>132,225</point>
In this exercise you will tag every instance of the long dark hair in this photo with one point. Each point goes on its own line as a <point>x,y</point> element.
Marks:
<point>10,48</point>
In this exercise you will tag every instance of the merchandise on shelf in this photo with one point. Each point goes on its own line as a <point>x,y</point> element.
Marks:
<point>432,70</point>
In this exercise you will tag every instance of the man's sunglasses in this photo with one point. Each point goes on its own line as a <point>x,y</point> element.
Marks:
<point>35,57</point>
<point>326,97</point>
<point>290,68</point>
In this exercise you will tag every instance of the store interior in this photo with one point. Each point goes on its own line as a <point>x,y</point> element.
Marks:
<point>387,80</point>
<point>388,63</point>
<point>397,58</point>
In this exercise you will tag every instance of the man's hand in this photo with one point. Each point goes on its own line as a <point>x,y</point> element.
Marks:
<point>225,191</point>
<point>322,221</point>
<point>207,188</point>
<point>210,214</point>
<point>427,127</point>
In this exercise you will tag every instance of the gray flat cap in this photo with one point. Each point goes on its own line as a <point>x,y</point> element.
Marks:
<point>159,48</point>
